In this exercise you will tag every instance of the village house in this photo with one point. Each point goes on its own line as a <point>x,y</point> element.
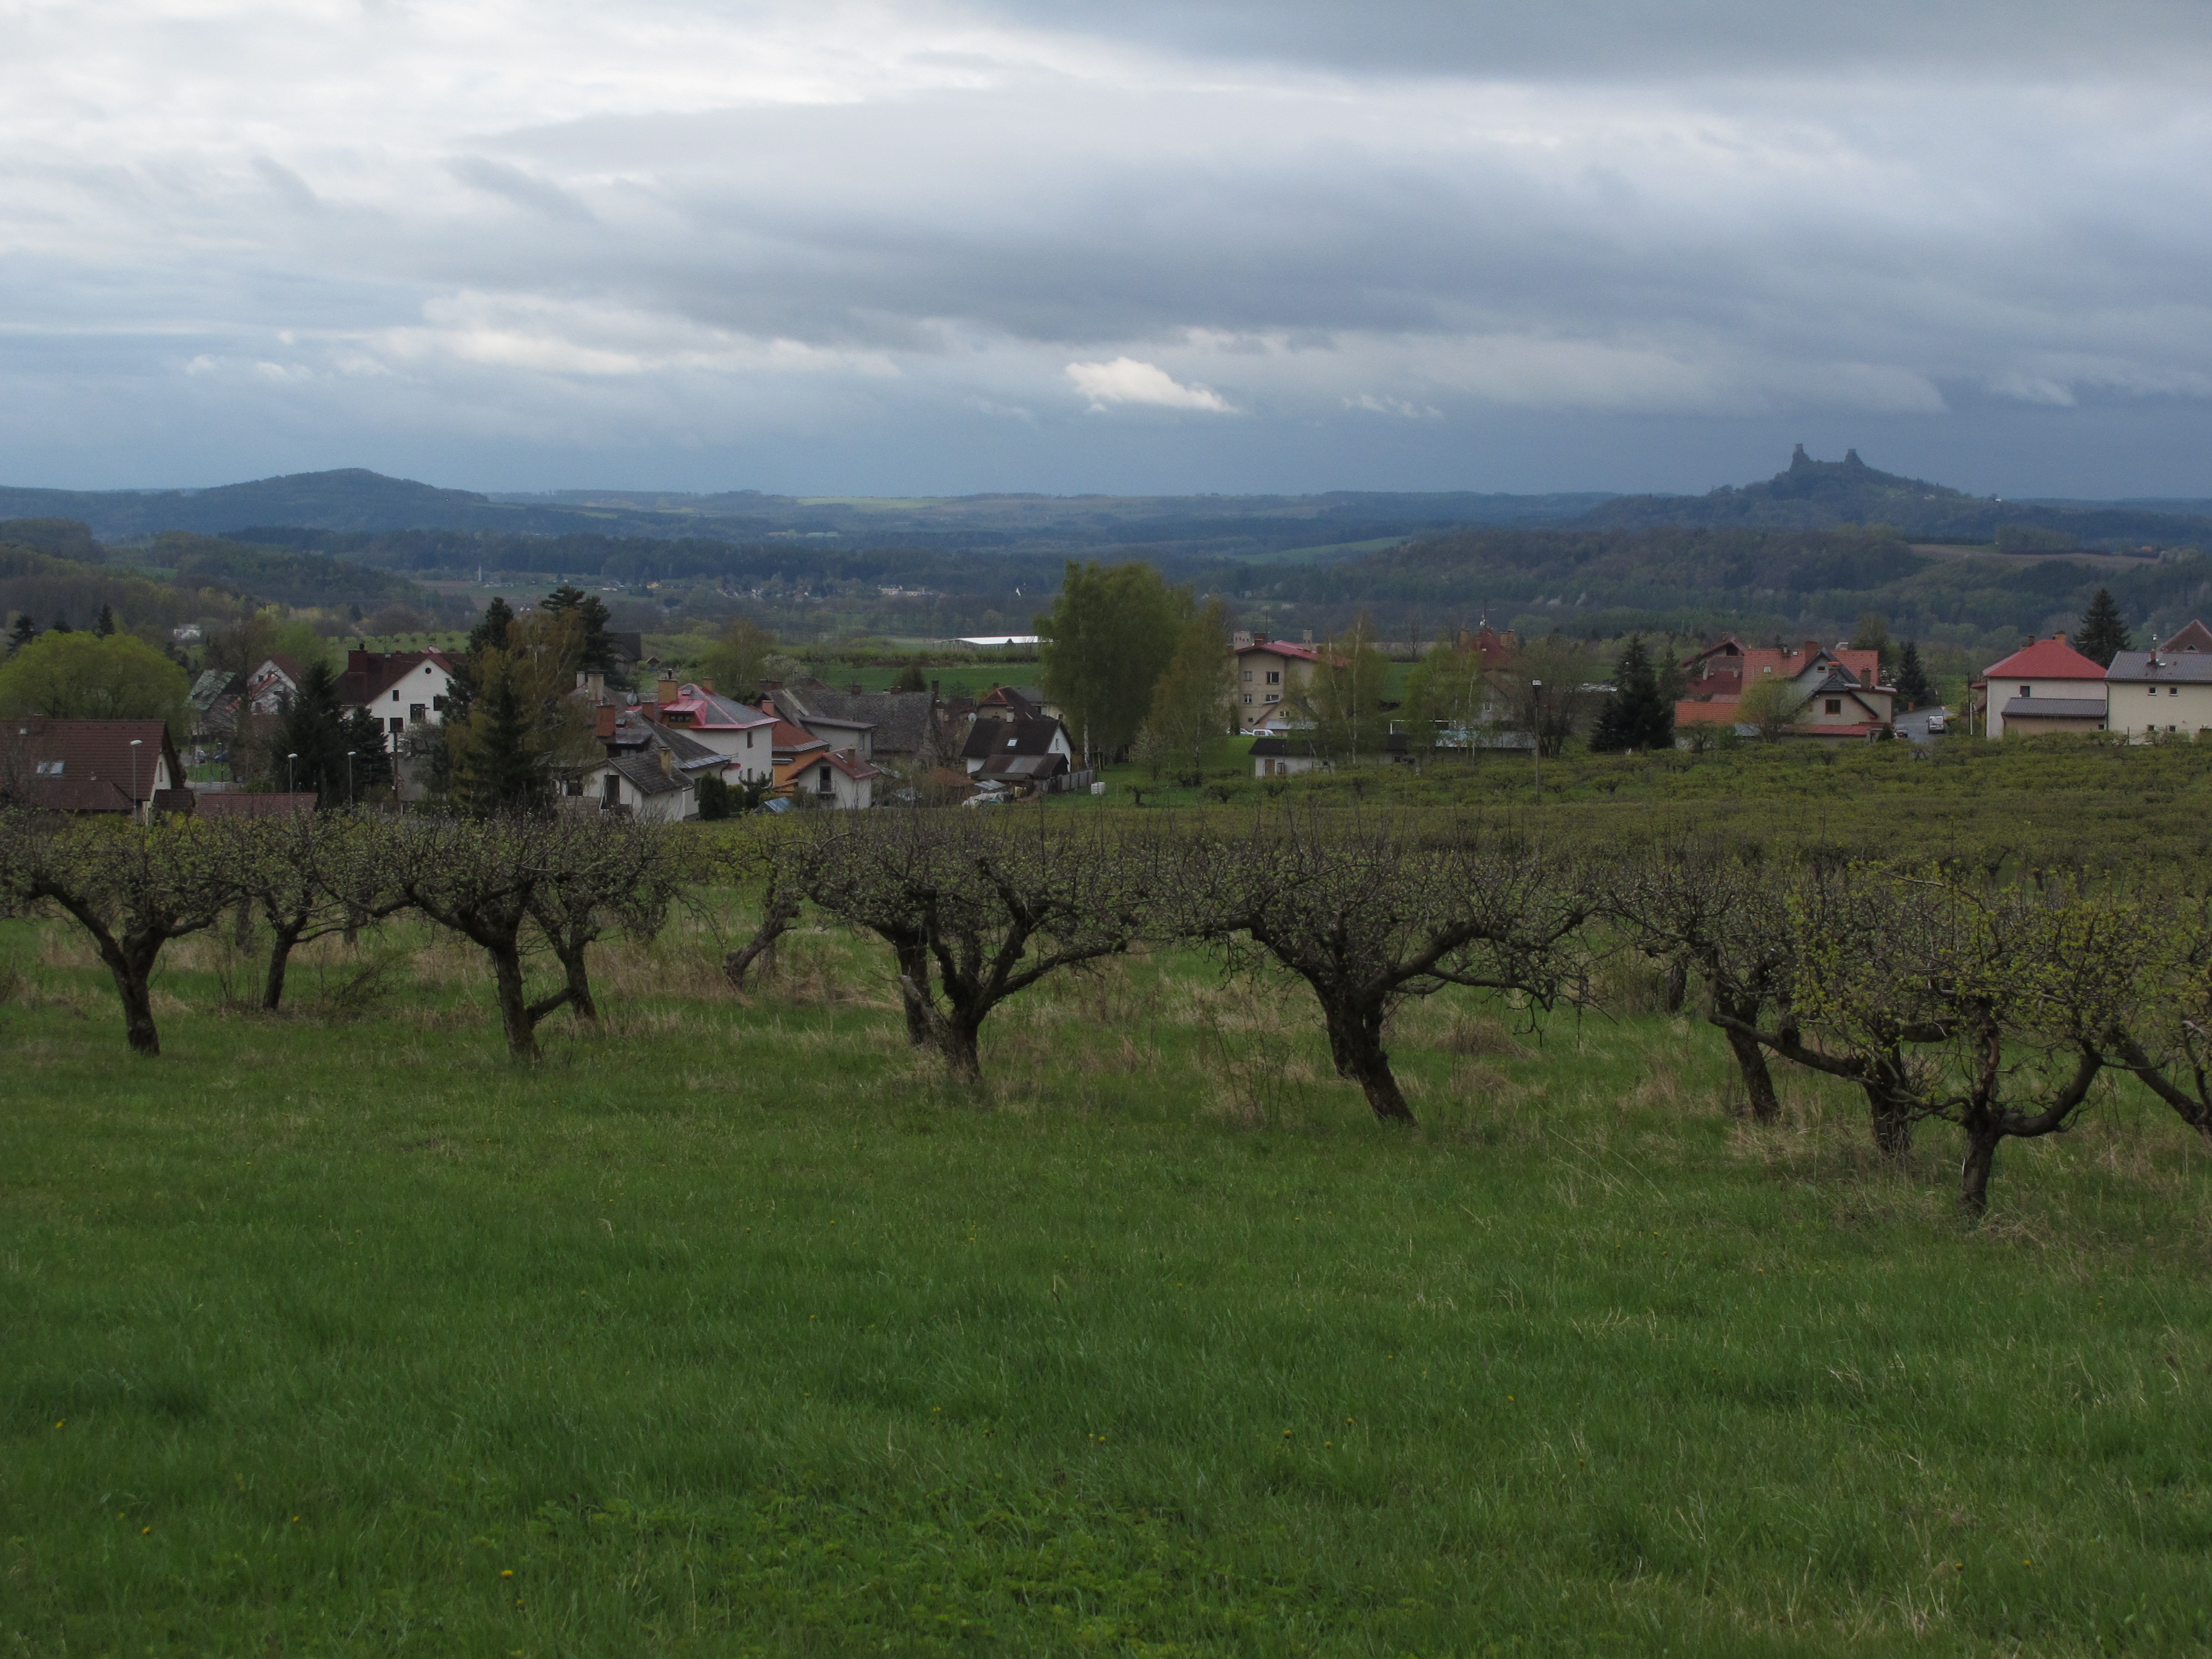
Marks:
<point>95,766</point>
<point>2165,691</point>
<point>649,770</point>
<point>830,777</point>
<point>1269,672</point>
<point>742,735</point>
<point>1837,691</point>
<point>273,684</point>
<point>398,689</point>
<point>2046,686</point>
<point>1020,750</point>
<point>911,730</point>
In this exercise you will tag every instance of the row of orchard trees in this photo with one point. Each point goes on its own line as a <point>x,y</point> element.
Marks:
<point>514,887</point>
<point>1943,996</point>
<point>2000,1008</point>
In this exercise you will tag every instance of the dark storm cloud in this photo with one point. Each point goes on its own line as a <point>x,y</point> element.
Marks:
<point>678,228</point>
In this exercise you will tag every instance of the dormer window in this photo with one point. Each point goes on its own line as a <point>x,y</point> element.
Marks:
<point>51,769</point>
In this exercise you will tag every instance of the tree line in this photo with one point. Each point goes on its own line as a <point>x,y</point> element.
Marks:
<point>1942,994</point>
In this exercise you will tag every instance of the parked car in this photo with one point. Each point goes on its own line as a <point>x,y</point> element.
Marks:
<point>1938,722</point>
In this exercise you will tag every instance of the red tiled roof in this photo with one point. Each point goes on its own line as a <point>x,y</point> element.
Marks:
<point>2046,659</point>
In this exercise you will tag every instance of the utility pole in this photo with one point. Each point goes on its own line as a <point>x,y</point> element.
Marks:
<point>350,754</point>
<point>288,759</point>
<point>135,742</point>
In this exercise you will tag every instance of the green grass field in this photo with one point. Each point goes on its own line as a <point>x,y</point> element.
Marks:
<point>731,1328</point>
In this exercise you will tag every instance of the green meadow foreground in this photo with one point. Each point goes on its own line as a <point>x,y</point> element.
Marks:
<point>733,1329</point>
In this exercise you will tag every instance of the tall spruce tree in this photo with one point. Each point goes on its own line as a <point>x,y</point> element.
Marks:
<point>104,624</point>
<point>490,631</point>
<point>371,764</point>
<point>598,654</point>
<point>2101,635</point>
<point>1914,688</point>
<point>1635,716</point>
<point>500,764</point>
<point>22,633</point>
<point>310,743</point>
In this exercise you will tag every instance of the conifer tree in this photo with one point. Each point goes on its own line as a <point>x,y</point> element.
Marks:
<point>490,631</point>
<point>598,653</point>
<point>310,743</point>
<point>1635,716</point>
<point>22,633</point>
<point>1914,688</point>
<point>500,764</point>
<point>2101,635</point>
<point>103,624</point>
<point>363,734</point>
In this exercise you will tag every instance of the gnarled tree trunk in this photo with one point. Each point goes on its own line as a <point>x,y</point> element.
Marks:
<point>1355,1043</point>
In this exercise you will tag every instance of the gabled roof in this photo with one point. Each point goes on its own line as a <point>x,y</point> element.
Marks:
<point>992,739</point>
<point>1022,769</point>
<point>900,720</point>
<point>846,761</point>
<point>644,772</point>
<point>1281,648</point>
<point>708,711</point>
<point>369,674</point>
<point>287,667</point>
<point>2194,637</point>
<point>2161,667</point>
<point>789,739</point>
<point>633,734</point>
<point>87,766</point>
<point>2045,659</point>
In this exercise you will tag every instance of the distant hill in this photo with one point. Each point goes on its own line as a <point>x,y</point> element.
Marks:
<point>1810,494</point>
<point>352,498</point>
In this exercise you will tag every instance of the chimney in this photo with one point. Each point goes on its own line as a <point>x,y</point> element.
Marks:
<point>1259,638</point>
<point>664,692</point>
<point>707,686</point>
<point>1310,636</point>
<point>596,684</point>
<point>605,729</point>
<point>667,763</point>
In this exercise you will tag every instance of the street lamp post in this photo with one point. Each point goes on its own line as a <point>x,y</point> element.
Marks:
<point>135,742</point>
<point>349,753</point>
<point>1537,722</point>
<point>288,759</point>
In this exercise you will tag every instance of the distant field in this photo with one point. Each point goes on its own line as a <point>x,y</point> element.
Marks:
<point>732,1329</point>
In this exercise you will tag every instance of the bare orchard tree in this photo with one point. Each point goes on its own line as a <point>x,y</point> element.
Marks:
<point>1371,913</point>
<point>599,872</point>
<point>2165,1036</point>
<point>974,911</point>
<point>1730,921</point>
<point>756,860</point>
<point>1989,1008</point>
<point>132,888</point>
<point>485,879</point>
<point>312,874</point>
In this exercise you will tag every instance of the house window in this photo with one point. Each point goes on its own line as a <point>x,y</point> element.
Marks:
<point>1274,696</point>
<point>1248,695</point>
<point>2154,690</point>
<point>2026,690</point>
<point>824,786</point>
<point>398,727</point>
<point>415,712</point>
<point>2172,690</point>
<point>1248,676</point>
<point>611,792</point>
<point>51,769</point>
<point>1274,676</point>
<point>1834,705</point>
<point>395,695</point>
<point>438,703</point>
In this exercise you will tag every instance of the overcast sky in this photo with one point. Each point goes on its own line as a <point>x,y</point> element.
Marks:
<point>1176,247</point>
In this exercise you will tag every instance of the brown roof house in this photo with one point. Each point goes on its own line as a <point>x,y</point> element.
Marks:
<point>93,766</point>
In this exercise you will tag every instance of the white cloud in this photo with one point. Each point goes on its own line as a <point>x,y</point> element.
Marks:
<point>1126,380</point>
